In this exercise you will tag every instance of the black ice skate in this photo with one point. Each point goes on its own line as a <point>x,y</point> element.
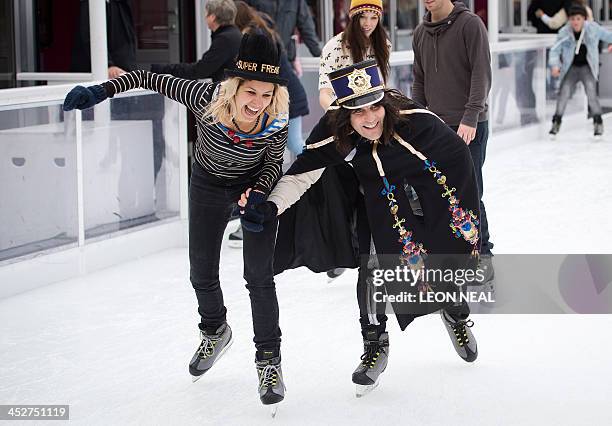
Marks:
<point>271,384</point>
<point>461,336</point>
<point>211,348</point>
<point>556,126</point>
<point>373,362</point>
<point>598,128</point>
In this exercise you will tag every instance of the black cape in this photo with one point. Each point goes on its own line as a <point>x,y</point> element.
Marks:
<point>318,231</point>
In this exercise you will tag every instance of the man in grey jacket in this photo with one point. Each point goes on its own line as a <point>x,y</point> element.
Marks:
<point>452,77</point>
<point>289,15</point>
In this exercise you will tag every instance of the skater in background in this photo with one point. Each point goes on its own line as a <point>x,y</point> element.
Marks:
<point>575,58</point>
<point>388,140</point>
<point>242,133</point>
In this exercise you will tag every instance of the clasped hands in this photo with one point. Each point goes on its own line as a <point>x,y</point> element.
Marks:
<point>255,210</point>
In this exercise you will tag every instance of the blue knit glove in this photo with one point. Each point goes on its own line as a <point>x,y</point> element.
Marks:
<point>84,97</point>
<point>257,211</point>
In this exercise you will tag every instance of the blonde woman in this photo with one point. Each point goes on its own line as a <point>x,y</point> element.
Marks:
<point>242,133</point>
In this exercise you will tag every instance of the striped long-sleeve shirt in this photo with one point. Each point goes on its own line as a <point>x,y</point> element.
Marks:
<point>256,156</point>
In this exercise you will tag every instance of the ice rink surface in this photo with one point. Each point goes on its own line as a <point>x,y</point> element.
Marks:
<point>115,344</point>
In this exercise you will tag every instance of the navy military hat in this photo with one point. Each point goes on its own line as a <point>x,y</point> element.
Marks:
<point>357,85</point>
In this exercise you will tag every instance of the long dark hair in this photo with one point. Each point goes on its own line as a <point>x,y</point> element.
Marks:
<point>357,42</point>
<point>393,102</point>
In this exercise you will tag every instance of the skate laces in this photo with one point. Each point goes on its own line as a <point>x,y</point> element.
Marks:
<point>371,354</point>
<point>461,332</point>
<point>268,375</point>
<point>207,346</point>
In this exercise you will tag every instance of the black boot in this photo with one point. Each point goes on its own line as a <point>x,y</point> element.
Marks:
<point>597,126</point>
<point>556,125</point>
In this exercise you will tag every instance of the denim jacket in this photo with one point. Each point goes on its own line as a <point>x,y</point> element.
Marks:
<point>563,51</point>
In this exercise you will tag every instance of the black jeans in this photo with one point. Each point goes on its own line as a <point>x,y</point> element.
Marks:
<point>367,315</point>
<point>211,201</point>
<point>478,149</point>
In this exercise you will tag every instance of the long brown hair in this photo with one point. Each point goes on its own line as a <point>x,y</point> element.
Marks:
<point>357,43</point>
<point>393,102</point>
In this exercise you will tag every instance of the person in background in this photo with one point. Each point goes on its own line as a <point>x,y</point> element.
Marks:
<point>225,42</point>
<point>575,58</point>
<point>525,62</point>
<point>555,12</point>
<point>452,78</point>
<point>248,19</point>
<point>289,16</point>
<point>121,39</point>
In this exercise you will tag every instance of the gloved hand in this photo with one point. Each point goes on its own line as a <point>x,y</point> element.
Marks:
<point>256,211</point>
<point>84,97</point>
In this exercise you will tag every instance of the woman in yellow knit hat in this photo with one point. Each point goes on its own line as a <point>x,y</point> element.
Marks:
<point>364,38</point>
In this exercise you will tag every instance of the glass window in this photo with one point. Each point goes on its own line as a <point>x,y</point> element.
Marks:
<point>130,169</point>
<point>38,175</point>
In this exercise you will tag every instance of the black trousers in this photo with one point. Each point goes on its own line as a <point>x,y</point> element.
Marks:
<point>211,201</point>
<point>478,150</point>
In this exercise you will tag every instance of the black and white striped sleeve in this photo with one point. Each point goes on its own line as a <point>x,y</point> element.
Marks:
<point>191,93</point>
<point>273,162</point>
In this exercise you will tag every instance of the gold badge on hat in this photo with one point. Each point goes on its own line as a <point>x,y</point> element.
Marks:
<point>359,81</point>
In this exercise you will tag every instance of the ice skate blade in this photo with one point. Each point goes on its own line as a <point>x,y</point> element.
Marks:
<point>196,378</point>
<point>273,410</point>
<point>363,390</point>
<point>598,138</point>
<point>552,137</point>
